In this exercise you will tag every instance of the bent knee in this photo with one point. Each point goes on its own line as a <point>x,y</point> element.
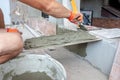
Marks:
<point>18,42</point>
<point>10,42</point>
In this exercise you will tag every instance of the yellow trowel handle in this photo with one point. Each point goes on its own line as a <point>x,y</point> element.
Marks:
<point>75,10</point>
<point>74,6</point>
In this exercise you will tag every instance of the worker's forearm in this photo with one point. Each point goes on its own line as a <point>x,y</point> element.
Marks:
<point>50,7</point>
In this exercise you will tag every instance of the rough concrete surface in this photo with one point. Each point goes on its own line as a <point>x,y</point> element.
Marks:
<point>76,67</point>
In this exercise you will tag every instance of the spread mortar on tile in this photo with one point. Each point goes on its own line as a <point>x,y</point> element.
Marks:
<point>32,76</point>
<point>29,76</point>
<point>63,38</point>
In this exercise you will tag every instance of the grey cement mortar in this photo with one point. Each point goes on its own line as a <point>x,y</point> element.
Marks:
<point>45,69</point>
<point>32,76</point>
<point>7,75</point>
<point>63,37</point>
<point>79,49</point>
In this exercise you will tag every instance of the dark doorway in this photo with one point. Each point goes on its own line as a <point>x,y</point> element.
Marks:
<point>115,4</point>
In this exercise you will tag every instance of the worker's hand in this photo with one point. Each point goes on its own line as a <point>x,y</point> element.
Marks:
<point>76,17</point>
<point>13,30</point>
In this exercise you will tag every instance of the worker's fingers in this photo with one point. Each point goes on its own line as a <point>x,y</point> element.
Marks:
<point>79,16</point>
<point>20,32</point>
<point>76,17</point>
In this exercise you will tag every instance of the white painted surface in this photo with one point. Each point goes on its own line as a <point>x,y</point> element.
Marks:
<point>101,54</point>
<point>108,33</point>
<point>5,6</point>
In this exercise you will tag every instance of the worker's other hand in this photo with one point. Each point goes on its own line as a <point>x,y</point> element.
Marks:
<point>13,30</point>
<point>76,17</point>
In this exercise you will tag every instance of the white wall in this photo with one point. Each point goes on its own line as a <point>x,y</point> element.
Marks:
<point>4,4</point>
<point>101,54</point>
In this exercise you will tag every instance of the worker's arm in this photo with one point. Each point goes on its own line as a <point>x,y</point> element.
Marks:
<point>51,7</point>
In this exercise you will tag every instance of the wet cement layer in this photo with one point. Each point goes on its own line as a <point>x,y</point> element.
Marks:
<point>32,76</point>
<point>64,37</point>
<point>79,49</point>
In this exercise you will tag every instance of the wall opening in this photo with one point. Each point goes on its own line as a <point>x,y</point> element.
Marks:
<point>115,4</point>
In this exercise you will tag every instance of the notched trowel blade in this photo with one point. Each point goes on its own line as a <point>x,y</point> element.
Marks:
<point>82,27</point>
